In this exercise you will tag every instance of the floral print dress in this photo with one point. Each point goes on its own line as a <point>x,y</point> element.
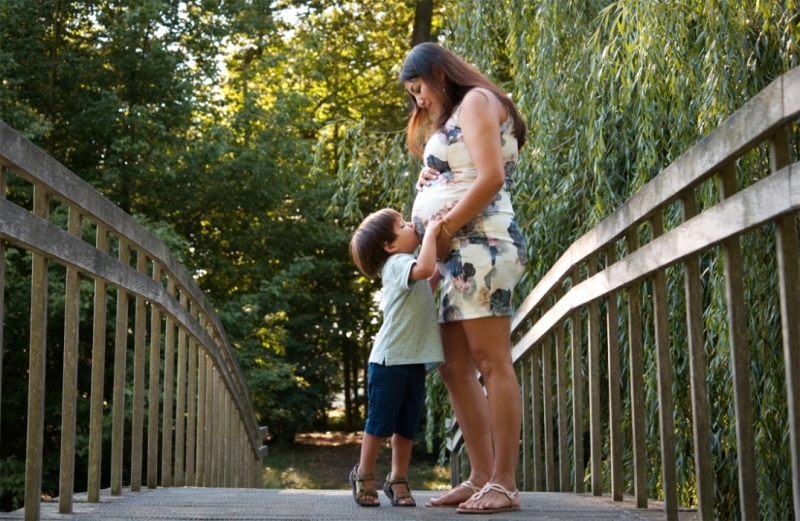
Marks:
<point>488,255</point>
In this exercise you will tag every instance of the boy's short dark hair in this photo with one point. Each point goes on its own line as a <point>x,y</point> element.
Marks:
<point>367,244</point>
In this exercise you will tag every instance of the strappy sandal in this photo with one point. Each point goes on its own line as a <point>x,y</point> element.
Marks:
<point>467,484</point>
<point>359,490</point>
<point>395,498</point>
<point>488,488</point>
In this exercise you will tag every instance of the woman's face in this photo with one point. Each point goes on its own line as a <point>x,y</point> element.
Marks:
<point>426,97</point>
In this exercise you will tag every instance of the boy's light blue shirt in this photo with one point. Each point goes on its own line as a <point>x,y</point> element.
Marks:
<point>410,330</point>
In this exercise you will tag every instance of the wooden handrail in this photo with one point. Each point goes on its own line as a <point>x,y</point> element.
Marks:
<point>210,383</point>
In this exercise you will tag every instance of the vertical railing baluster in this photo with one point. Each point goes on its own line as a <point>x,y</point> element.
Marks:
<point>98,376</point>
<point>69,393</point>
<point>228,442</point>
<point>217,430</point>
<point>223,438</point>
<point>191,413</point>
<point>180,402</point>
<point>36,368</point>
<point>614,403</point>
<point>120,354</point>
<point>201,419</point>
<point>3,184</point>
<point>561,382</point>
<point>789,277</point>
<point>547,412</point>
<point>740,360</point>
<point>137,423</point>
<point>209,424</point>
<point>155,368</point>
<point>636,370</point>
<point>527,418</point>
<point>664,366</point>
<point>595,421</point>
<point>169,390</point>
<point>536,420</point>
<point>577,392</point>
<point>704,465</point>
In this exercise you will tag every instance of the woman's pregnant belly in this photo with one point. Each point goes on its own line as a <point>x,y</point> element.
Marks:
<point>446,191</point>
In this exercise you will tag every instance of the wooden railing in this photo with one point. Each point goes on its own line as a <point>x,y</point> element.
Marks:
<point>205,401</point>
<point>559,299</point>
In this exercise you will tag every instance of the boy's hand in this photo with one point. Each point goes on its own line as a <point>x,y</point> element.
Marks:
<point>434,226</point>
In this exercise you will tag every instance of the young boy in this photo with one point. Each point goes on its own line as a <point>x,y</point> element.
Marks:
<point>408,340</point>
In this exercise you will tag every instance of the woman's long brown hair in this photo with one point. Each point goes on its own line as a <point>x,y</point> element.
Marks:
<point>429,62</point>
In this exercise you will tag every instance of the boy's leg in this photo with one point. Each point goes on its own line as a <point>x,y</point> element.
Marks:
<point>401,457</point>
<point>370,446</point>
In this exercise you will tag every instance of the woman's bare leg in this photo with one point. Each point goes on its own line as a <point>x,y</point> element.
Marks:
<point>489,340</point>
<point>471,408</point>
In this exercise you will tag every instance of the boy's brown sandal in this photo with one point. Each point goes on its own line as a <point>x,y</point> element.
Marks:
<point>395,498</point>
<point>359,490</point>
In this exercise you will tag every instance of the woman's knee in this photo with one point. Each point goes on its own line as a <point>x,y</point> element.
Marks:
<point>455,371</point>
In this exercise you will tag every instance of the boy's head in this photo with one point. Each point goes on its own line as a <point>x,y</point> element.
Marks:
<point>368,245</point>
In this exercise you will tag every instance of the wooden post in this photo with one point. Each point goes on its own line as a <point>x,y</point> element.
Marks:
<point>201,420</point>
<point>191,414</point>
<point>547,411</point>
<point>536,420</point>
<point>636,365</point>
<point>180,403</point>
<point>209,423</point>
<point>614,400</point>
<point>577,392</point>
<point>595,422</point>
<point>704,465</point>
<point>789,276</point>
<point>98,377</point>
<point>69,392</point>
<point>561,381</point>
<point>665,402</point>
<point>527,428</point>
<point>36,369</point>
<point>3,183</point>
<point>120,354</point>
<point>137,423</point>
<point>740,360</point>
<point>169,393</point>
<point>155,367</point>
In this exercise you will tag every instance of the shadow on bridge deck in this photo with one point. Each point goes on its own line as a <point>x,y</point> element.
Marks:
<point>324,505</point>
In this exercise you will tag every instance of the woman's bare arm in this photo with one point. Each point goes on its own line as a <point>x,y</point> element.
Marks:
<point>479,119</point>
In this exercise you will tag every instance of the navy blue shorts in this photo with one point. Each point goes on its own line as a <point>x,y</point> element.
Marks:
<point>396,395</point>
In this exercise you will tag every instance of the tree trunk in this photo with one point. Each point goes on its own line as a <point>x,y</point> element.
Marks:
<point>422,22</point>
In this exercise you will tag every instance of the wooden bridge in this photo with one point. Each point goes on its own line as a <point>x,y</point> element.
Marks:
<point>213,470</point>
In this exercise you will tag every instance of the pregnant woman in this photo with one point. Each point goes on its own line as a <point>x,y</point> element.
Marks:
<point>472,132</point>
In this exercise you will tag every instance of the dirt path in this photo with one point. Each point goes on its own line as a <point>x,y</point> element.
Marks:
<point>323,460</point>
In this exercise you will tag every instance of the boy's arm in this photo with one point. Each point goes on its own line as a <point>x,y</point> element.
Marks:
<point>426,260</point>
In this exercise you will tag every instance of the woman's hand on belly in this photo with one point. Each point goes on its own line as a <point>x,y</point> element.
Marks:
<point>427,175</point>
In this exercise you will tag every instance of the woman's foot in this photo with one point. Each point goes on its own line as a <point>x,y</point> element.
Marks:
<point>492,498</point>
<point>455,496</point>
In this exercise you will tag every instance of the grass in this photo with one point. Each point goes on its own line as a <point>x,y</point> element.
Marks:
<point>324,460</point>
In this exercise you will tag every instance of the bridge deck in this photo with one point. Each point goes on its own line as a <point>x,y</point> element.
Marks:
<point>328,505</point>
